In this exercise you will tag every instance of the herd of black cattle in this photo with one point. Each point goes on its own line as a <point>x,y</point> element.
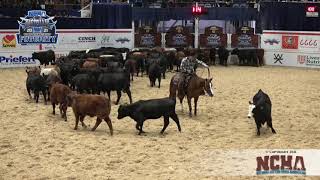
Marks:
<point>109,69</point>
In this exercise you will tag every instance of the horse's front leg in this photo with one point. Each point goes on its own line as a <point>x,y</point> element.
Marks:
<point>195,105</point>
<point>190,108</point>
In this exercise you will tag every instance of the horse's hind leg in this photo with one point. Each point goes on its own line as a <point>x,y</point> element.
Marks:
<point>190,108</point>
<point>195,105</point>
<point>159,81</point>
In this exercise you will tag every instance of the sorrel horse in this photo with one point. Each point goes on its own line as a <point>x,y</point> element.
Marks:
<point>197,86</point>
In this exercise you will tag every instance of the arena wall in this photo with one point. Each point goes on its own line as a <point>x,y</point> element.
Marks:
<point>13,54</point>
<point>291,48</point>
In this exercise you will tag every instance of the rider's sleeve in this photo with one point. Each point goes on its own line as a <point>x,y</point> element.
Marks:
<point>202,63</point>
<point>183,65</point>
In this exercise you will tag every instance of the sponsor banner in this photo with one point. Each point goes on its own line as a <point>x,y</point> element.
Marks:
<point>295,59</point>
<point>71,40</point>
<point>271,41</point>
<point>213,37</point>
<point>147,36</point>
<point>179,36</point>
<point>81,41</point>
<point>244,41</point>
<point>291,41</point>
<point>8,60</point>
<point>260,162</point>
<point>9,43</point>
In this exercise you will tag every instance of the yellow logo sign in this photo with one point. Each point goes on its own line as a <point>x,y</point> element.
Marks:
<point>9,41</point>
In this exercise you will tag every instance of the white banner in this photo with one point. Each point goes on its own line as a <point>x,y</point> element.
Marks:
<point>68,40</point>
<point>22,59</point>
<point>296,59</point>
<point>291,41</point>
<point>288,48</point>
<point>260,162</point>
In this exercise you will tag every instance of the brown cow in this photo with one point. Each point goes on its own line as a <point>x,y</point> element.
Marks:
<point>92,105</point>
<point>91,63</point>
<point>58,95</point>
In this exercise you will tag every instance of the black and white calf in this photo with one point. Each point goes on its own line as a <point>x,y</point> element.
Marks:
<point>260,109</point>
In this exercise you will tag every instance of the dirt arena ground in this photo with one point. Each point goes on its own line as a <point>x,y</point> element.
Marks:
<point>34,144</point>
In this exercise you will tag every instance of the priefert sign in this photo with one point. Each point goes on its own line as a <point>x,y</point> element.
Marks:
<point>12,60</point>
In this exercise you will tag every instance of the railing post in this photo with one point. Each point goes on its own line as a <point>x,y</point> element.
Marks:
<point>196,30</point>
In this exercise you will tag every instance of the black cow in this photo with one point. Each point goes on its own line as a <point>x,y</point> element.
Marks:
<point>84,82</point>
<point>36,83</point>
<point>45,57</point>
<point>108,82</point>
<point>171,58</point>
<point>150,109</point>
<point>212,55</point>
<point>248,57</point>
<point>114,65</point>
<point>77,54</point>
<point>161,60</point>
<point>260,109</point>
<point>223,54</point>
<point>154,73</point>
<point>68,71</point>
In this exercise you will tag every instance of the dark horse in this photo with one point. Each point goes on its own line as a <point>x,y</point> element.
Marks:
<point>197,86</point>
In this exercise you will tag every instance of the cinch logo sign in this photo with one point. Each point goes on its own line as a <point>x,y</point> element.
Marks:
<point>37,28</point>
<point>87,39</point>
<point>9,41</point>
<point>280,164</point>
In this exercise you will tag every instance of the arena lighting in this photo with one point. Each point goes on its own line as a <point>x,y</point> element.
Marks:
<point>312,11</point>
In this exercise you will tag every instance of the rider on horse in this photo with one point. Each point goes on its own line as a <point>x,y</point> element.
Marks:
<point>188,66</point>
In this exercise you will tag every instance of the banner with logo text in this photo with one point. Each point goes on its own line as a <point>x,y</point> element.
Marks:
<point>11,51</point>
<point>288,48</point>
<point>260,162</point>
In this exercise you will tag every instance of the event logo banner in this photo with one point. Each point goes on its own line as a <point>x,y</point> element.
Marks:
<point>37,28</point>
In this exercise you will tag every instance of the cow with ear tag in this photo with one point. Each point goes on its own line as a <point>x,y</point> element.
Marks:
<point>260,110</point>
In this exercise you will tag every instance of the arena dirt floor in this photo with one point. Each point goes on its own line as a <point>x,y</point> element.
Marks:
<point>34,144</point>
